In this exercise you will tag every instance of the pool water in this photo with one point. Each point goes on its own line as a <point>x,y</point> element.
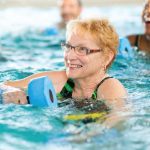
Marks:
<point>24,50</point>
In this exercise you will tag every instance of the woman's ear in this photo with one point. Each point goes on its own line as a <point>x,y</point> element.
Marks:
<point>109,58</point>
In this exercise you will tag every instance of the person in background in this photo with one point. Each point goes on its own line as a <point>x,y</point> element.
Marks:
<point>142,41</point>
<point>69,9</point>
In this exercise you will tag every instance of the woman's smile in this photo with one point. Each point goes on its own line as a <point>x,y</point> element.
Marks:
<point>74,66</point>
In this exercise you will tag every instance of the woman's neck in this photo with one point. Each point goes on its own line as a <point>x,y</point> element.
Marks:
<point>84,87</point>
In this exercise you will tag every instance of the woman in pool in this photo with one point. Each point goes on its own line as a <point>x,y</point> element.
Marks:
<point>142,41</point>
<point>90,48</point>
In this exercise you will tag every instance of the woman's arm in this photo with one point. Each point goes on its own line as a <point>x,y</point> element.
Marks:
<point>114,93</point>
<point>13,91</point>
<point>58,78</point>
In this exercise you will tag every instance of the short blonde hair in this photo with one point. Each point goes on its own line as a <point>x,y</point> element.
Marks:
<point>100,30</point>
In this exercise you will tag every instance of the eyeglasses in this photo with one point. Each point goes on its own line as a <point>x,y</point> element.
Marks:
<point>82,51</point>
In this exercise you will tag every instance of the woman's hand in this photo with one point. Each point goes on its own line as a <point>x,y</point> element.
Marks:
<point>12,95</point>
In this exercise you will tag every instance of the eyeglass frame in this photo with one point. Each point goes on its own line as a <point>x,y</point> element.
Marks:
<point>88,50</point>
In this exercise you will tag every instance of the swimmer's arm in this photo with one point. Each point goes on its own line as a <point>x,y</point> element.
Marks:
<point>58,78</point>
<point>114,93</point>
<point>118,112</point>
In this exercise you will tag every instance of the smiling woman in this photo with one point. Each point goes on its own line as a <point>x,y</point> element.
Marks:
<point>90,48</point>
<point>28,53</point>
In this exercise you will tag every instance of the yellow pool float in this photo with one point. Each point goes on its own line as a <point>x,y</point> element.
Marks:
<point>92,116</point>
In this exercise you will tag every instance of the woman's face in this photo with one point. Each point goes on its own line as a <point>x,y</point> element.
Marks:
<point>69,9</point>
<point>78,66</point>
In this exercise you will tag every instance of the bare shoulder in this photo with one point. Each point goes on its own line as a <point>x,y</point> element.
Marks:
<point>111,89</point>
<point>132,39</point>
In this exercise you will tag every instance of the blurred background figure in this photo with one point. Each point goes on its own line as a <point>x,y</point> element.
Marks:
<point>142,41</point>
<point>69,9</point>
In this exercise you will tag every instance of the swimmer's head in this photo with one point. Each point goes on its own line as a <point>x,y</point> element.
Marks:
<point>146,12</point>
<point>99,31</point>
<point>146,16</point>
<point>70,9</point>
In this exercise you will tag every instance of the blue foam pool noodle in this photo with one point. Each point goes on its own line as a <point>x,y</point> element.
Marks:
<point>51,31</point>
<point>125,49</point>
<point>42,93</point>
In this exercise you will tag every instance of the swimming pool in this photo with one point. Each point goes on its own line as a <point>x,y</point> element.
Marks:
<point>24,51</point>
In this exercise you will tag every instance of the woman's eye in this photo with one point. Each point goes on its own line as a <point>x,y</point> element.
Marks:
<point>83,49</point>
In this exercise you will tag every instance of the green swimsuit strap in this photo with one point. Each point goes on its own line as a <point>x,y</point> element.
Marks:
<point>66,92</point>
<point>94,95</point>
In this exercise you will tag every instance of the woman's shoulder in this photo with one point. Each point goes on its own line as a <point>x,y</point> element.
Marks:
<point>111,89</point>
<point>134,38</point>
